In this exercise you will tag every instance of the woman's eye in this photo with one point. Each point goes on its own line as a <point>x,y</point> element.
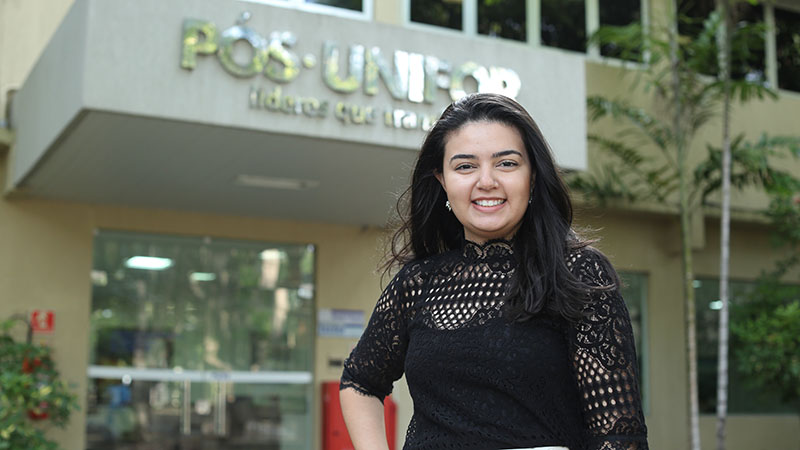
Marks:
<point>508,163</point>
<point>463,166</point>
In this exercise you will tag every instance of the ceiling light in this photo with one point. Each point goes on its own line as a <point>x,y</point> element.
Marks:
<point>148,263</point>
<point>275,183</point>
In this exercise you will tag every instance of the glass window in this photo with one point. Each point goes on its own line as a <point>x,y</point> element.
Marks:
<point>442,13</point>
<point>743,397</point>
<point>198,340</point>
<point>748,48</point>
<point>618,13</point>
<point>787,37</point>
<point>634,291</point>
<point>502,18</point>
<point>692,13</point>
<point>748,54</point>
<point>346,8</point>
<point>355,5</point>
<point>564,24</point>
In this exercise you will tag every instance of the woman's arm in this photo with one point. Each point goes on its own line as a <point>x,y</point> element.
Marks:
<point>363,415</point>
<point>605,364</point>
<point>375,364</point>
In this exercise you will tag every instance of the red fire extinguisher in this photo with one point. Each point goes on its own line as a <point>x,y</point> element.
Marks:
<point>334,431</point>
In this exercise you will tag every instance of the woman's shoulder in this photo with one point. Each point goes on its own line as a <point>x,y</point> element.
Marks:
<point>425,266</point>
<point>415,273</point>
<point>591,266</point>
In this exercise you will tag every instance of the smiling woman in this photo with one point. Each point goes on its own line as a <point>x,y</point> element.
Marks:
<point>487,179</point>
<point>510,329</point>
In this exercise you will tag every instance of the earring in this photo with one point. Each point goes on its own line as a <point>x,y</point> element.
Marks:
<point>447,205</point>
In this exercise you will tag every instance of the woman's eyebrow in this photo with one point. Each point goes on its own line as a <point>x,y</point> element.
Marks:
<point>462,156</point>
<point>494,155</point>
<point>506,153</point>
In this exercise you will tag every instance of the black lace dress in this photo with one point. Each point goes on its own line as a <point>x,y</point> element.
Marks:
<point>480,381</point>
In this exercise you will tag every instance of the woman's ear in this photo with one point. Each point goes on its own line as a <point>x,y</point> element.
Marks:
<point>440,176</point>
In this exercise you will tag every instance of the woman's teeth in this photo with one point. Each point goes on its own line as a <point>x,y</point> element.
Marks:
<point>488,202</point>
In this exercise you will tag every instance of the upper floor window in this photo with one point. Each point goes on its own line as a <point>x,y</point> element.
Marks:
<point>502,18</point>
<point>619,13</point>
<point>355,5</point>
<point>496,18</point>
<point>563,24</point>
<point>787,49</point>
<point>360,9</point>
<point>748,53</point>
<point>441,13</point>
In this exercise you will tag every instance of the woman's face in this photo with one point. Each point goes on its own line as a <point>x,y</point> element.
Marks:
<point>487,177</point>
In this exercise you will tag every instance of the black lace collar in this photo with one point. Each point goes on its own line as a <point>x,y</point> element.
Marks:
<point>491,249</point>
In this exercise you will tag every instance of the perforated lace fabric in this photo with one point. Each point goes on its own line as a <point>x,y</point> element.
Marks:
<point>481,381</point>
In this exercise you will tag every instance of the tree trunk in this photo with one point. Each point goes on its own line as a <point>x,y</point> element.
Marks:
<point>723,46</point>
<point>688,293</point>
<point>686,233</point>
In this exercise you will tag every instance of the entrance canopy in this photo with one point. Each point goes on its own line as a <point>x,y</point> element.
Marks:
<point>248,109</point>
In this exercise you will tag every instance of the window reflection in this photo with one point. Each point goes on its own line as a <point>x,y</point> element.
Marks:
<point>442,13</point>
<point>185,415</point>
<point>502,18</point>
<point>634,291</point>
<point>743,396</point>
<point>619,13</point>
<point>355,5</point>
<point>215,346</point>
<point>787,37</point>
<point>748,53</point>
<point>564,24</point>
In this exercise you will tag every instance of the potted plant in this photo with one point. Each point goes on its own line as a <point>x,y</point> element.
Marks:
<point>32,394</point>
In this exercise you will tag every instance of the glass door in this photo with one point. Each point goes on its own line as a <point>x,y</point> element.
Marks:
<point>199,343</point>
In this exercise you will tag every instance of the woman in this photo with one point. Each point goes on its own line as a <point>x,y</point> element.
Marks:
<point>509,328</point>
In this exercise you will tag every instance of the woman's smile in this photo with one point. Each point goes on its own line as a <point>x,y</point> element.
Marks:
<point>489,203</point>
<point>488,206</point>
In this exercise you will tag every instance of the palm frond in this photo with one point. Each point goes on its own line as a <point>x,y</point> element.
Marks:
<point>600,107</point>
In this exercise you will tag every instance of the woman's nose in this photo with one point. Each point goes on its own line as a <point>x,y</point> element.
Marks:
<point>487,179</point>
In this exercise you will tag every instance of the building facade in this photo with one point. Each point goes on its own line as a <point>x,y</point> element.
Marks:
<point>198,193</point>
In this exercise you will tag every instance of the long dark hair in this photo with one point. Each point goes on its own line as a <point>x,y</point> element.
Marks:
<point>542,243</point>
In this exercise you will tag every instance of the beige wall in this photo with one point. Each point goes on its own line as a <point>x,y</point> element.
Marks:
<point>388,11</point>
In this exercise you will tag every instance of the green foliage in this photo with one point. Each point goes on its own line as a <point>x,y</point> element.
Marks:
<point>766,330</point>
<point>753,164</point>
<point>630,171</point>
<point>768,348</point>
<point>31,394</point>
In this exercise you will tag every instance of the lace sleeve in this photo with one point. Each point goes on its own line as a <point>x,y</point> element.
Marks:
<point>377,360</point>
<point>604,362</point>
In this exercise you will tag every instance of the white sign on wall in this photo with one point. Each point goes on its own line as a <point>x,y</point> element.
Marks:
<point>347,323</point>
